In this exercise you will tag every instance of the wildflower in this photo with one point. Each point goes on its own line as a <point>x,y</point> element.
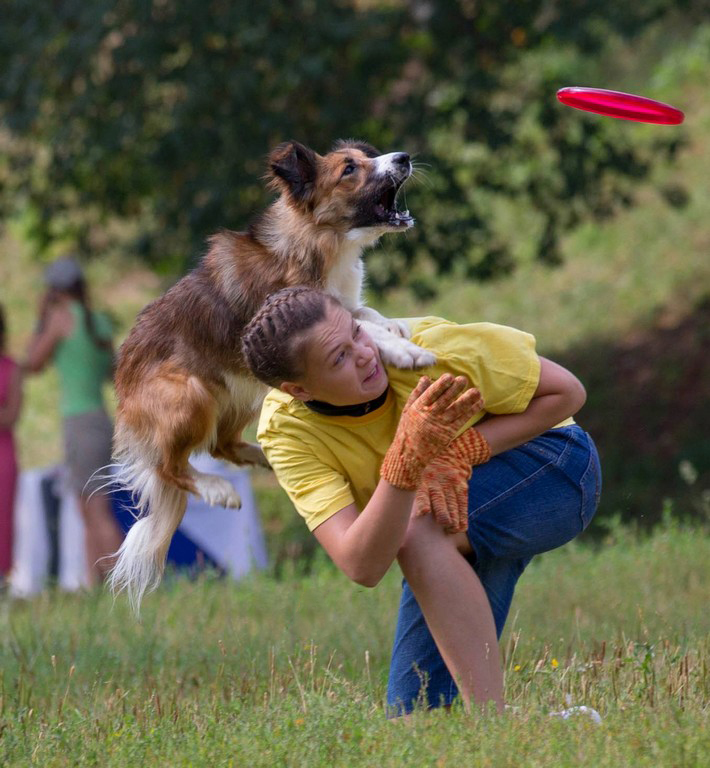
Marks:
<point>516,668</point>
<point>555,663</point>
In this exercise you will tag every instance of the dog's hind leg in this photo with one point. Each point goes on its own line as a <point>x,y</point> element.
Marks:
<point>183,413</point>
<point>215,490</point>
<point>242,407</point>
<point>231,447</point>
<point>198,432</point>
<point>241,453</point>
<point>156,431</point>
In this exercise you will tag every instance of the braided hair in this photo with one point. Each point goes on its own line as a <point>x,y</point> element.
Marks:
<point>272,342</point>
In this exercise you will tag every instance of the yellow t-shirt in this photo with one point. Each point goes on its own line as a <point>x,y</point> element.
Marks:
<point>326,463</point>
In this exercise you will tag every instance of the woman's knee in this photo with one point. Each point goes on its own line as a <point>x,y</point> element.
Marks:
<point>424,537</point>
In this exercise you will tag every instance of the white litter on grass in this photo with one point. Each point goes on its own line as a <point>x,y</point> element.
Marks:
<point>581,710</point>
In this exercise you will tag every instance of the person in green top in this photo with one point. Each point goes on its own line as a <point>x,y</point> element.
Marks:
<point>78,341</point>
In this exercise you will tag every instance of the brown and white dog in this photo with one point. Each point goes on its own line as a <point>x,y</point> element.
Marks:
<point>181,381</point>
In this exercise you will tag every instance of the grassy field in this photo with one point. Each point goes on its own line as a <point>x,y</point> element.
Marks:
<point>293,672</point>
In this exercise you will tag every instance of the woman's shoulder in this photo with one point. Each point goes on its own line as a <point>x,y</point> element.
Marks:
<point>280,415</point>
<point>447,337</point>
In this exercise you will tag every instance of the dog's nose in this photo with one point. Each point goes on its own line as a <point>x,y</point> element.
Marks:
<point>401,158</point>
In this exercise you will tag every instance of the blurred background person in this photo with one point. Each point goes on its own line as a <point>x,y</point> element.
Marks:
<point>78,341</point>
<point>10,403</point>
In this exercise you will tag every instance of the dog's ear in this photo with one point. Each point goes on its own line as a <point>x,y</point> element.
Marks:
<point>294,167</point>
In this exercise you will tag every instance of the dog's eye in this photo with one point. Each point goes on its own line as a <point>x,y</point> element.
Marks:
<point>349,168</point>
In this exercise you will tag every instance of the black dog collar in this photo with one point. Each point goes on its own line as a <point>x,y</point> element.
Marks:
<point>326,409</point>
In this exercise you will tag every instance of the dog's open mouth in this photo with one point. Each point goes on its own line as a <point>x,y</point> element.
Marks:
<point>385,209</point>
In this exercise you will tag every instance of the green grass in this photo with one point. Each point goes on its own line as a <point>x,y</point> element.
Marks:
<point>293,672</point>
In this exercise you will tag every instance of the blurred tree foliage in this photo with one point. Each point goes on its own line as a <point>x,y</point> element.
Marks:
<point>159,113</point>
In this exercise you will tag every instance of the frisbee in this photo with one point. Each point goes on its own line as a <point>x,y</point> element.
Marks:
<point>626,106</point>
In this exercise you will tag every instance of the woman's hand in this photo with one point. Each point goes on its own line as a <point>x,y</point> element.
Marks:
<point>430,420</point>
<point>444,488</point>
<point>49,331</point>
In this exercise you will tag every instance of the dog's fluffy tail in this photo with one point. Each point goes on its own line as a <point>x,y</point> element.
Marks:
<point>141,557</point>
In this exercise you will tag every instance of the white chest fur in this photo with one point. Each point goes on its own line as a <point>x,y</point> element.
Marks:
<point>347,275</point>
<point>243,392</point>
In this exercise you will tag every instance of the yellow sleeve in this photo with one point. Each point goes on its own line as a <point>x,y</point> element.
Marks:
<point>316,489</point>
<point>499,360</point>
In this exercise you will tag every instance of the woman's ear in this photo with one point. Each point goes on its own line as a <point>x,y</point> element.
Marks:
<point>295,390</point>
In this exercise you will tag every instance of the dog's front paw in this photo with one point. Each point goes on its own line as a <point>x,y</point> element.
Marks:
<point>372,317</point>
<point>398,328</point>
<point>423,358</point>
<point>403,354</point>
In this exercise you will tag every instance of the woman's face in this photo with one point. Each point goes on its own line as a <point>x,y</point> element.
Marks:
<point>342,365</point>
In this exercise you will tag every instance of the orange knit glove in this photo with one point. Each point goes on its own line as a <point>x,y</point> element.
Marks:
<point>430,420</point>
<point>444,488</point>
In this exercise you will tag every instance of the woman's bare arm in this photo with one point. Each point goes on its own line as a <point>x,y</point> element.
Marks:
<point>558,396</point>
<point>42,344</point>
<point>364,544</point>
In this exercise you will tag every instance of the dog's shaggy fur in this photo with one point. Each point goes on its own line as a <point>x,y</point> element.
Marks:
<point>181,381</point>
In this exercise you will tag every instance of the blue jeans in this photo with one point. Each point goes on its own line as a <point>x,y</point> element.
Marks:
<point>529,500</point>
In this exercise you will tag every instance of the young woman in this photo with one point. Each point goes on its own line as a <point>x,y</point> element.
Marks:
<point>10,403</point>
<point>359,450</point>
<point>78,341</point>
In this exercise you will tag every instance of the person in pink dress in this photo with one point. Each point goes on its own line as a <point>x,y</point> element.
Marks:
<point>10,402</point>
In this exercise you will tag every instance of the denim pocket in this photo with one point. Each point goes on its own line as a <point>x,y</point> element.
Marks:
<point>554,445</point>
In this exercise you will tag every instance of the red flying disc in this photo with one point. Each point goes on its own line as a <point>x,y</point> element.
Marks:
<point>627,106</point>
